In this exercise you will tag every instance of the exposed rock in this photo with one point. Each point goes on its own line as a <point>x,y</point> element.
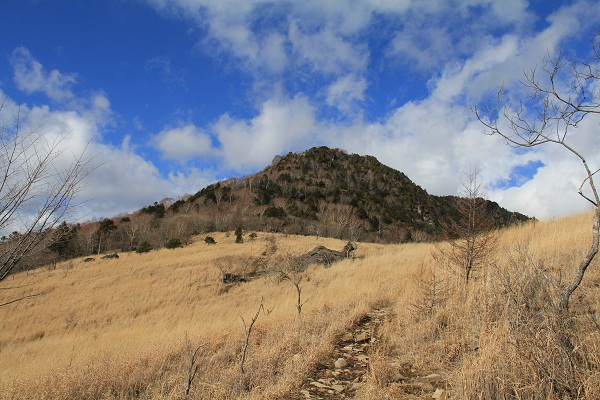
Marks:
<point>344,374</point>
<point>347,337</point>
<point>439,394</point>
<point>276,160</point>
<point>362,337</point>
<point>338,388</point>
<point>319,255</point>
<point>341,363</point>
<point>319,385</point>
<point>109,256</point>
<point>399,378</point>
<point>363,358</point>
<point>231,278</point>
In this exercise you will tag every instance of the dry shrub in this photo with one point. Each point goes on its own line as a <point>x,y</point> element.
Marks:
<point>432,291</point>
<point>528,349</point>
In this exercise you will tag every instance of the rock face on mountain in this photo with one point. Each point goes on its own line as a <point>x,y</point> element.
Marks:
<point>328,192</point>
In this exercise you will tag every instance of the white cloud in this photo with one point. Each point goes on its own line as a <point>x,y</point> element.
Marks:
<point>31,77</point>
<point>325,52</point>
<point>120,180</point>
<point>280,126</point>
<point>345,92</point>
<point>435,140</point>
<point>183,143</point>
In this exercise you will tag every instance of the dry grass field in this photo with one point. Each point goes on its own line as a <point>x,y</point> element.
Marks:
<point>117,329</point>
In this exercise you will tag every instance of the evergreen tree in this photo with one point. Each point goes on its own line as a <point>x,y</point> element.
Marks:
<point>239,235</point>
<point>62,241</point>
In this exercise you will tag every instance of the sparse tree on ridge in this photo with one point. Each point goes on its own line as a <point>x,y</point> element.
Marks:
<point>561,94</point>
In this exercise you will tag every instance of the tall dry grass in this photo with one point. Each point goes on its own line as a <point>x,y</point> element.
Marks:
<point>117,328</point>
<point>500,336</point>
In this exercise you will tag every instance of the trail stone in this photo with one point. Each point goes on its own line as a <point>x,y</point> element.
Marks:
<point>347,337</point>
<point>338,388</point>
<point>399,378</point>
<point>319,385</point>
<point>362,337</point>
<point>340,363</point>
<point>439,394</point>
<point>349,364</point>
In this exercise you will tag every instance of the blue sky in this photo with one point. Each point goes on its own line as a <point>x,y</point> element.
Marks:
<point>172,95</point>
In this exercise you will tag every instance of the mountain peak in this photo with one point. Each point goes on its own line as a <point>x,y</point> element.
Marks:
<point>329,192</point>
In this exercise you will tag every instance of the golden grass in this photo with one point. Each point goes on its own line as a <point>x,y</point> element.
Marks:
<point>116,328</point>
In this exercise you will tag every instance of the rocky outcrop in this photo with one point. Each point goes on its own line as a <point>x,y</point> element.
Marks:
<point>110,256</point>
<point>320,255</point>
<point>231,278</point>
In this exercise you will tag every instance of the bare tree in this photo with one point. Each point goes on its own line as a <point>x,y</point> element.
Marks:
<point>471,235</point>
<point>36,190</point>
<point>248,331</point>
<point>192,367</point>
<point>287,268</point>
<point>561,94</point>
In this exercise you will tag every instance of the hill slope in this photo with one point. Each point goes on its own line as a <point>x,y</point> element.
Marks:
<point>328,192</point>
<point>117,328</point>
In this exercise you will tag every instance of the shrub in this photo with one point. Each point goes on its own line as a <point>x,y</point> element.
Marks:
<point>173,243</point>
<point>252,236</point>
<point>209,240</point>
<point>143,247</point>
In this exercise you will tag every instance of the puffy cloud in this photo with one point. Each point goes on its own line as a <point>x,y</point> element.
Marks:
<point>346,91</point>
<point>325,52</point>
<point>119,180</point>
<point>280,126</point>
<point>31,77</point>
<point>183,143</point>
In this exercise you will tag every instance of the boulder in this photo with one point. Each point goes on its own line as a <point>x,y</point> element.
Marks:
<point>109,256</point>
<point>231,278</point>
<point>319,255</point>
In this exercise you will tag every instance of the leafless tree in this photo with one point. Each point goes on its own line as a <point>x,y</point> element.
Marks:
<point>248,331</point>
<point>471,236</point>
<point>192,358</point>
<point>561,94</point>
<point>287,268</point>
<point>37,190</point>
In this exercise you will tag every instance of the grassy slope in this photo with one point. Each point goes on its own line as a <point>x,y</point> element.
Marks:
<point>116,328</point>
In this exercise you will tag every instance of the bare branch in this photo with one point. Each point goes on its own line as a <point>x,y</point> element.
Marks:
<point>36,192</point>
<point>192,362</point>
<point>26,297</point>
<point>248,331</point>
<point>558,101</point>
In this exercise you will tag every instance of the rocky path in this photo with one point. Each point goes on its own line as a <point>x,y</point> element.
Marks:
<point>341,375</point>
